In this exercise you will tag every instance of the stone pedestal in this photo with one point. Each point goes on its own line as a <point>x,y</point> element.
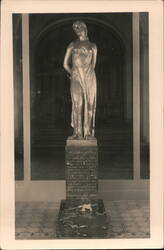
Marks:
<point>82,214</point>
<point>81,169</point>
<point>78,220</point>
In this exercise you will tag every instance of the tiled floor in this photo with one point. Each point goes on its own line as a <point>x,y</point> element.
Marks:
<point>127,219</point>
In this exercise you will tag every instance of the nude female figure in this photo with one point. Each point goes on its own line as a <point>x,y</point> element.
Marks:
<point>79,62</point>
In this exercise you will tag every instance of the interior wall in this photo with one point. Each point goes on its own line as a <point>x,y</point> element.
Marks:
<point>114,26</point>
<point>50,94</point>
<point>18,95</point>
<point>144,77</point>
<point>144,95</point>
<point>55,191</point>
<point>120,25</point>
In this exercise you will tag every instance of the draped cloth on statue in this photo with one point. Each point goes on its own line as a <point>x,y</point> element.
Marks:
<point>83,84</point>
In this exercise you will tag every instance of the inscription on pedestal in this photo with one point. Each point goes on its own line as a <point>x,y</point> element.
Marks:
<point>81,169</point>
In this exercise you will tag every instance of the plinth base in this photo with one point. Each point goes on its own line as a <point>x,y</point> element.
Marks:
<point>81,160</point>
<point>79,220</point>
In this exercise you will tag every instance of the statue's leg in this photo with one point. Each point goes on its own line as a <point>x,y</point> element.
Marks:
<point>91,104</point>
<point>77,100</point>
<point>91,117</point>
<point>88,135</point>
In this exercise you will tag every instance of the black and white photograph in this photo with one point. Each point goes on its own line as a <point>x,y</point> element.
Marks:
<point>84,107</point>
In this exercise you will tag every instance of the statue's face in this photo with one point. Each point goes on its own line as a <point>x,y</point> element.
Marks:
<point>80,28</point>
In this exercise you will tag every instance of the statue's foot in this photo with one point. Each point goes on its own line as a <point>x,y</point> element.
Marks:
<point>76,137</point>
<point>79,137</point>
<point>88,137</point>
<point>73,137</point>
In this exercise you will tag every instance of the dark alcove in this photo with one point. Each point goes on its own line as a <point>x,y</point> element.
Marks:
<point>51,100</point>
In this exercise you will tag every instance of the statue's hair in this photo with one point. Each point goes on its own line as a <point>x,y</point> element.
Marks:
<point>81,23</point>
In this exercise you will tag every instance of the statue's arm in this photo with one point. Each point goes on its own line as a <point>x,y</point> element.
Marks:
<point>94,58</point>
<point>67,58</point>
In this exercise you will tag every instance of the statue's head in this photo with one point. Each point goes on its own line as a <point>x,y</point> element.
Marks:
<point>80,27</point>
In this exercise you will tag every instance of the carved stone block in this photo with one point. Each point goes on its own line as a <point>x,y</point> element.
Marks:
<point>81,169</point>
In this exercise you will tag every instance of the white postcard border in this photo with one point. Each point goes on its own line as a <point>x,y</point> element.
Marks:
<point>155,9</point>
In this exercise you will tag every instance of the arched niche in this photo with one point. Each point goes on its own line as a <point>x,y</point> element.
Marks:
<point>51,99</point>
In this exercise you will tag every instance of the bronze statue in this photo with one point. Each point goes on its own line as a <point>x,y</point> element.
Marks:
<point>79,62</point>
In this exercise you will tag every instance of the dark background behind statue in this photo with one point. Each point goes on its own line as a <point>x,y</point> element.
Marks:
<point>50,94</point>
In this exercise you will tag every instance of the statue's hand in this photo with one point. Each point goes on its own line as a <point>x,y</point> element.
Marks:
<point>68,75</point>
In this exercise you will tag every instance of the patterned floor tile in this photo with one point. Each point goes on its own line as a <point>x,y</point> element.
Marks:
<point>127,219</point>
